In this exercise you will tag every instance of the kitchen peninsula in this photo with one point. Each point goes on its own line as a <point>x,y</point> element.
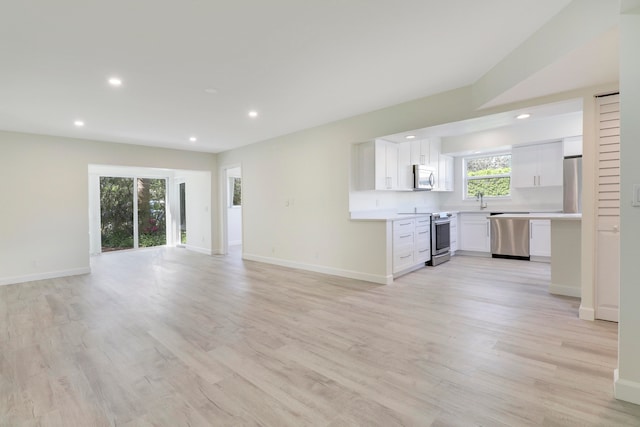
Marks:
<point>565,250</point>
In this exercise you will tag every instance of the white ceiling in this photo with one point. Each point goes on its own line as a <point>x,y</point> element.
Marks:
<point>298,63</point>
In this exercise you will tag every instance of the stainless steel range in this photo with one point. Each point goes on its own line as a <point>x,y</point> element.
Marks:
<point>440,238</point>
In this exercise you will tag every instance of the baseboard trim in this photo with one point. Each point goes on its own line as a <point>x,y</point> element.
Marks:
<point>536,258</point>
<point>234,242</point>
<point>44,276</point>
<point>586,313</point>
<point>626,390</point>
<point>198,249</point>
<point>383,280</point>
<point>473,253</point>
<point>568,291</point>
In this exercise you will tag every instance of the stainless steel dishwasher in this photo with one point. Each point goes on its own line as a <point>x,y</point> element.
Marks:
<point>509,237</point>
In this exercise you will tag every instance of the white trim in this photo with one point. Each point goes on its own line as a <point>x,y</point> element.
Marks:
<point>198,249</point>
<point>626,390</point>
<point>235,242</point>
<point>383,280</point>
<point>43,276</point>
<point>586,313</point>
<point>568,291</point>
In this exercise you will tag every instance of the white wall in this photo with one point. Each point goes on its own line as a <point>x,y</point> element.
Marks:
<point>198,209</point>
<point>44,181</point>
<point>627,385</point>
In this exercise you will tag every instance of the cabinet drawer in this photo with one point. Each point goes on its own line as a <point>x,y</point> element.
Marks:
<point>403,224</point>
<point>402,238</point>
<point>423,221</point>
<point>422,254</point>
<point>423,234</point>
<point>402,260</point>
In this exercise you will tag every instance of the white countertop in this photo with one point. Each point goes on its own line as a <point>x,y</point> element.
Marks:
<point>551,216</point>
<point>384,216</point>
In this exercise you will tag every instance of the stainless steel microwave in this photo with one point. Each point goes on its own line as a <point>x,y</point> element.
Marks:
<point>423,178</point>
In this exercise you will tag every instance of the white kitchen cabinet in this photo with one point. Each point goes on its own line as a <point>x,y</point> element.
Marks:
<point>420,152</point>
<point>540,238</point>
<point>411,243</point>
<point>475,232</point>
<point>405,168</point>
<point>422,243</point>
<point>537,165</point>
<point>377,165</point>
<point>444,181</point>
<point>403,244</point>
<point>453,233</point>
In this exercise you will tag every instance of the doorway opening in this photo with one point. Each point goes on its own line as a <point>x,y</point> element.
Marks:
<point>233,199</point>
<point>182,221</point>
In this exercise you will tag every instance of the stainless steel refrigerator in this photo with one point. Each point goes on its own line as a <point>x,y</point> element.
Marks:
<point>572,184</point>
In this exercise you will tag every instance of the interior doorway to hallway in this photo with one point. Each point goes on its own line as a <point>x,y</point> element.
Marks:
<point>233,202</point>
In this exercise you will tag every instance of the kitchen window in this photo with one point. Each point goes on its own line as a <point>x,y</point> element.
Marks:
<point>489,175</point>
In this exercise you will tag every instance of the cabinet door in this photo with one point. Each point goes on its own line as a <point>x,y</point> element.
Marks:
<point>524,166</point>
<point>422,248</point>
<point>445,172</point>
<point>392,166</point>
<point>550,164</point>
<point>474,233</point>
<point>540,237</point>
<point>405,171</point>
<point>380,161</point>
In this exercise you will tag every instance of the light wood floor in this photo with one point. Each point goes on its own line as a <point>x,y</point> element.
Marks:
<point>168,337</point>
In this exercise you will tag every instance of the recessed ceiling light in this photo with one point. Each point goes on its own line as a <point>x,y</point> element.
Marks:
<point>253,114</point>
<point>78,123</point>
<point>193,139</point>
<point>523,116</point>
<point>410,136</point>
<point>211,91</point>
<point>115,81</point>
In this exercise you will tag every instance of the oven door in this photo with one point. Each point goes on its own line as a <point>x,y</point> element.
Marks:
<point>440,236</point>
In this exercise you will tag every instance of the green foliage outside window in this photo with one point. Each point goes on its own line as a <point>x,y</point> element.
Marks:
<point>490,175</point>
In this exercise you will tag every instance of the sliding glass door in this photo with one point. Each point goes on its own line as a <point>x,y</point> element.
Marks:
<point>116,213</point>
<point>132,217</point>
<point>152,225</point>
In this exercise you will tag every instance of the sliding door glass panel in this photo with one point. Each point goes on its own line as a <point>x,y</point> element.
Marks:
<point>152,226</point>
<point>183,214</point>
<point>116,213</point>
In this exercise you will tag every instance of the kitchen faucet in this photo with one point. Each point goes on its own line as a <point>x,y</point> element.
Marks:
<point>480,196</point>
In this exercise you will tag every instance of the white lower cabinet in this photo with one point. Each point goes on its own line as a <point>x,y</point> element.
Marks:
<point>453,233</point>
<point>411,243</point>
<point>540,237</point>
<point>475,232</point>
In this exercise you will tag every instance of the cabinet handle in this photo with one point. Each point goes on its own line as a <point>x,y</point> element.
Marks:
<point>487,229</point>
<point>530,230</point>
<point>405,236</point>
<point>424,250</point>
<point>423,232</point>
<point>422,162</point>
<point>534,180</point>
<point>406,256</point>
<point>405,223</point>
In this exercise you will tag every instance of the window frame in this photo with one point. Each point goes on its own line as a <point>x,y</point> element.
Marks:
<point>466,178</point>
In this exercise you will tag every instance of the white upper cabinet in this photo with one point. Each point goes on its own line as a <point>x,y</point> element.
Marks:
<point>419,152</point>
<point>377,165</point>
<point>537,165</point>
<point>405,168</point>
<point>445,173</point>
